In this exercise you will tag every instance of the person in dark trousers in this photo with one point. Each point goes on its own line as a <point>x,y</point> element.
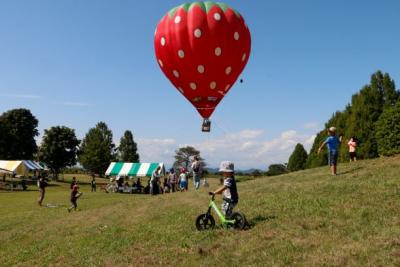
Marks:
<point>93,183</point>
<point>197,172</point>
<point>75,194</point>
<point>172,180</point>
<point>23,184</point>
<point>74,182</point>
<point>42,189</point>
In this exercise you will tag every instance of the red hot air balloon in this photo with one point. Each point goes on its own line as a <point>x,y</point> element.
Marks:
<point>202,48</point>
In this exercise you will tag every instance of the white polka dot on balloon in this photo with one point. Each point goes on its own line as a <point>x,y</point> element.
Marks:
<point>161,63</point>
<point>227,87</point>
<point>181,90</point>
<point>200,68</point>
<point>197,33</point>
<point>236,36</point>
<point>213,85</point>
<point>181,53</point>
<point>177,19</point>
<point>217,16</point>
<point>228,70</point>
<point>193,86</point>
<point>244,57</point>
<point>163,41</point>
<point>218,51</point>
<point>176,73</point>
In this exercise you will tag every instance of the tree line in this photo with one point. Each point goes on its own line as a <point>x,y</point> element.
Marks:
<point>60,148</point>
<point>372,117</point>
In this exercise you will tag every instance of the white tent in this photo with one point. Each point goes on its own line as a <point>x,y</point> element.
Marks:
<point>20,166</point>
<point>133,169</point>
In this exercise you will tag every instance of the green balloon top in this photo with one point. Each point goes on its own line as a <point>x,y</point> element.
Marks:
<point>206,6</point>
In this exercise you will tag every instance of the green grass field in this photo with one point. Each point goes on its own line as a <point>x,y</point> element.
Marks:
<point>306,218</point>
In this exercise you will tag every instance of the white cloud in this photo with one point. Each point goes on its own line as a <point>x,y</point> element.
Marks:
<point>247,148</point>
<point>156,150</point>
<point>27,96</point>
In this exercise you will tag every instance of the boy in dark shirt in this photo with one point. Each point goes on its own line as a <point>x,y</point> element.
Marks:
<point>231,196</point>
<point>73,182</point>
<point>42,189</point>
<point>75,194</point>
<point>93,184</point>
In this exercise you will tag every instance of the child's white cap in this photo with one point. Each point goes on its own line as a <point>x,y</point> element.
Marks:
<point>332,129</point>
<point>226,166</point>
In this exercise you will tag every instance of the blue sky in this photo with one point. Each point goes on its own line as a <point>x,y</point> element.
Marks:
<point>76,63</point>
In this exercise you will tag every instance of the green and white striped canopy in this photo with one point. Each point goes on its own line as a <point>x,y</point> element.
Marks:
<point>133,169</point>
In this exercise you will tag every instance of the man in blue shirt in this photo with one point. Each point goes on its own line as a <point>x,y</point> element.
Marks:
<point>333,144</point>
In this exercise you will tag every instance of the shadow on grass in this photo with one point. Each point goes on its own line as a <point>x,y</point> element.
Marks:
<point>350,171</point>
<point>258,219</point>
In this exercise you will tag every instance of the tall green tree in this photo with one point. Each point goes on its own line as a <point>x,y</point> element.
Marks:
<point>58,148</point>
<point>388,131</point>
<point>314,159</point>
<point>18,128</point>
<point>184,155</point>
<point>366,108</point>
<point>298,159</point>
<point>358,119</point>
<point>128,148</point>
<point>97,149</point>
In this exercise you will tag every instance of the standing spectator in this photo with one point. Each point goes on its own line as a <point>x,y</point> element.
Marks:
<point>332,142</point>
<point>42,189</point>
<point>74,182</point>
<point>75,194</point>
<point>352,148</point>
<point>93,183</point>
<point>23,184</point>
<point>172,180</point>
<point>197,170</point>
<point>155,181</point>
<point>183,184</point>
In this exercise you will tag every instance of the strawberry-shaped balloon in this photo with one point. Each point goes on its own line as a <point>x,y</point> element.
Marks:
<point>202,48</point>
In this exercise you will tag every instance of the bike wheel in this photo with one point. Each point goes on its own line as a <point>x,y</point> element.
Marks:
<point>240,220</point>
<point>204,222</point>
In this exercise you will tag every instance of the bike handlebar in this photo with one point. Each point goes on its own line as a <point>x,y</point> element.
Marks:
<point>212,195</point>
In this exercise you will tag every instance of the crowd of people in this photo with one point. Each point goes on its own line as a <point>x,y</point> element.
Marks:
<point>176,180</point>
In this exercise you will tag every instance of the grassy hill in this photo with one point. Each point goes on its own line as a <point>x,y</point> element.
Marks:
<point>306,218</point>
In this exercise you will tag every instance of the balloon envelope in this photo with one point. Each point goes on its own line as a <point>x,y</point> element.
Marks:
<point>202,48</point>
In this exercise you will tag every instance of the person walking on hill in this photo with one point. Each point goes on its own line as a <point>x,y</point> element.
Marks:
<point>197,171</point>
<point>333,143</point>
<point>352,148</point>
<point>42,189</point>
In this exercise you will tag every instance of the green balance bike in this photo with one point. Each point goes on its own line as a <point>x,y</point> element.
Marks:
<point>206,221</point>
